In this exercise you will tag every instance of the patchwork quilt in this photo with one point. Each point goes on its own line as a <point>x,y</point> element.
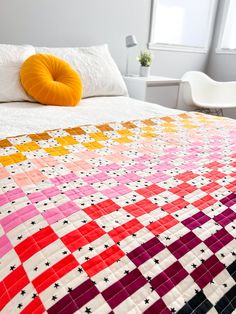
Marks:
<point>133,217</point>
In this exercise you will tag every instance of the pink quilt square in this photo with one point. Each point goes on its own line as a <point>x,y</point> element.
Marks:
<point>78,165</point>
<point>116,191</point>
<point>5,245</point>
<point>3,173</point>
<point>29,177</point>
<point>45,161</point>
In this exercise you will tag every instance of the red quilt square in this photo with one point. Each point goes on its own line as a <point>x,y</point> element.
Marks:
<point>54,273</point>
<point>214,165</point>
<point>36,306</point>
<point>35,243</point>
<point>183,189</point>
<point>125,230</point>
<point>103,260</point>
<point>150,191</point>
<point>214,175</point>
<point>141,208</point>
<point>204,202</point>
<point>162,224</point>
<point>82,236</point>
<point>186,176</point>
<point>175,205</point>
<point>231,186</point>
<point>211,187</point>
<point>101,209</point>
<point>14,283</point>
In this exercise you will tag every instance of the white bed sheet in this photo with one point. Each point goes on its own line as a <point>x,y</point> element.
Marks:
<point>24,117</point>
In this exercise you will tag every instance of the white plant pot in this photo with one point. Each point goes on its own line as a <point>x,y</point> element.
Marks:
<point>145,71</point>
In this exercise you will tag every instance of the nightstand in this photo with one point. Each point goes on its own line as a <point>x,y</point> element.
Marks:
<point>156,89</point>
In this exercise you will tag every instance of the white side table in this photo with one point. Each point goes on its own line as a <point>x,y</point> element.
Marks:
<point>156,89</point>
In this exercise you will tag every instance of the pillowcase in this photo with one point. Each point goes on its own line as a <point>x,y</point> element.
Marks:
<point>96,67</point>
<point>15,53</point>
<point>11,59</point>
<point>51,81</point>
<point>10,86</point>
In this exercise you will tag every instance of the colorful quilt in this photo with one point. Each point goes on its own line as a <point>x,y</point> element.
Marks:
<point>133,217</point>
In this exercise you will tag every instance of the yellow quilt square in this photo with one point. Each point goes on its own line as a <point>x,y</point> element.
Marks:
<point>12,159</point>
<point>123,140</point>
<point>148,129</point>
<point>57,151</point>
<point>169,130</point>
<point>99,136</point>
<point>66,140</point>
<point>27,147</point>
<point>125,132</point>
<point>168,125</point>
<point>189,126</point>
<point>93,145</point>
<point>148,134</point>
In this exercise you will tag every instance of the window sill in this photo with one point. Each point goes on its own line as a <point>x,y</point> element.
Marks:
<point>225,51</point>
<point>177,48</point>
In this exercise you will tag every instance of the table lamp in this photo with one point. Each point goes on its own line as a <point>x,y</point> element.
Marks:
<point>131,41</point>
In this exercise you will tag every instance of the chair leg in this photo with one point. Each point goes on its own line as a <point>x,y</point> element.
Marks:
<point>217,112</point>
<point>204,110</point>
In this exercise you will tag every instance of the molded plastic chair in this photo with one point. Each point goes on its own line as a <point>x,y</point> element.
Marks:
<point>199,92</point>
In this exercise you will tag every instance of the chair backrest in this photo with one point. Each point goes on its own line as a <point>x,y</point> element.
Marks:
<point>201,85</point>
<point>198,89</point>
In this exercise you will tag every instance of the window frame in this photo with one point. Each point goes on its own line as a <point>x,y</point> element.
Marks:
<point>182,48</point>
<point>219,49</point>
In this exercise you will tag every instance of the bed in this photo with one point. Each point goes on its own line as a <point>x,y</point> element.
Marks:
<point>27,117</point>
<point>116,206</point>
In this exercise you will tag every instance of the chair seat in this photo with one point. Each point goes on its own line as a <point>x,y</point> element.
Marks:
<point>215,105</point>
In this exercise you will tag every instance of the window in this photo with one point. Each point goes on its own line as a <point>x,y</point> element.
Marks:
<point>227,40</point>
<point>182,24</point>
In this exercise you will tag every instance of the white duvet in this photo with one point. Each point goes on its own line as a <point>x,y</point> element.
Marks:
<point>24,117</point>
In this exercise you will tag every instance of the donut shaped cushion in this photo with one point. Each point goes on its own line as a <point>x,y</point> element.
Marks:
<point>51,81</point>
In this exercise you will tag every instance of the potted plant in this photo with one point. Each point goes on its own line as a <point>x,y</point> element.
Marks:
<point>145,60</point>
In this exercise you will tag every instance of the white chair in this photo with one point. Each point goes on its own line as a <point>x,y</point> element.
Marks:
<point>199,92</point>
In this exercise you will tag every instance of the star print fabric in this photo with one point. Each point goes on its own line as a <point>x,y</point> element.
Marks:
<point>133,217</point>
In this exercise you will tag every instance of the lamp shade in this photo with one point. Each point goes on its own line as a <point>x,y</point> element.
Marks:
<point>131,41</point>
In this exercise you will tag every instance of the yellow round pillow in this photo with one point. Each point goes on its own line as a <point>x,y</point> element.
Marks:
<point>51,81</point>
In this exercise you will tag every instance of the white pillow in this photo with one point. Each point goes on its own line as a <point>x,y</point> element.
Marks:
<point>11,59</point>
<point>98,71</point>
<point>15,53</point>
<point>10,86</point>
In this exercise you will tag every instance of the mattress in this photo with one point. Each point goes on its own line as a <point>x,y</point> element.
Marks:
<point>25,117</point>
<point>123,217</point>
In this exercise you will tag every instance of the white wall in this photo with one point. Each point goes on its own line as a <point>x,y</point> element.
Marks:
<point>89,22</point>
<point>74,22</point>
<point>221,67</point>
<point>175,64</point>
